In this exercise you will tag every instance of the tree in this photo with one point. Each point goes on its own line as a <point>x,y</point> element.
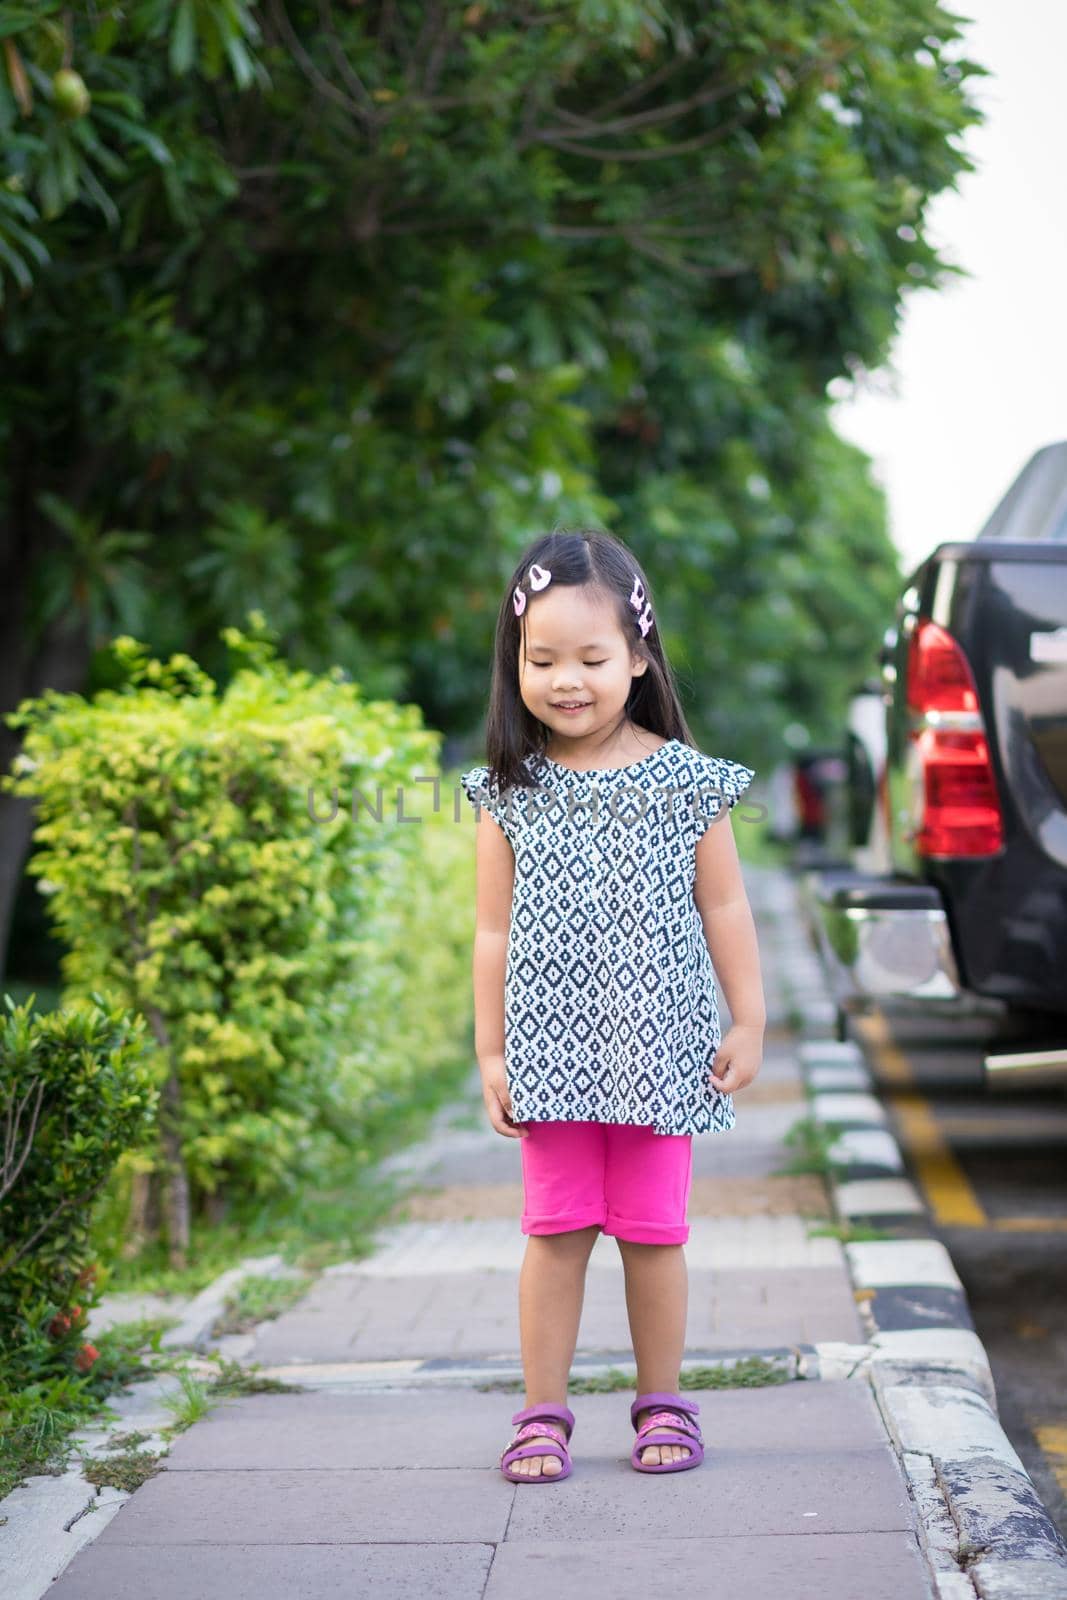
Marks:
<point>325,309</point>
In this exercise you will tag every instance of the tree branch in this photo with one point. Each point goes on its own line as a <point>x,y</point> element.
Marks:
<point>80,1200</point>
<point>344,66</point>
<point>638,90</point>
<point>311,71</point>
<point>391,27</point>
<point>8,1175</point>
<point>437,49</point>
<point>707,96</point>
<point>691,269</point>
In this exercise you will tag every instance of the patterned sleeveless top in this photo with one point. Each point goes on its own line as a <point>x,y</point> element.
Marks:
<point>610,1009</point>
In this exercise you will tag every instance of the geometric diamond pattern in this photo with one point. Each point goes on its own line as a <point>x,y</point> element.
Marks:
<point>610,1010</point>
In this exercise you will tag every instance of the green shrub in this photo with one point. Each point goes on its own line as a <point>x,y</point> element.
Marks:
<point>75,1092</point>
<point>278,960</point>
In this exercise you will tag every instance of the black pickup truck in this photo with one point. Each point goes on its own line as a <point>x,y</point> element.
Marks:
<point>954,895</point>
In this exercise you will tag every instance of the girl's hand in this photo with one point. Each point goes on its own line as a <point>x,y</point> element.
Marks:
<point>738,1058</point>
<point>498,1099</point>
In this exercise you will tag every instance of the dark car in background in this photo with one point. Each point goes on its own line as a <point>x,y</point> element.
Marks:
<point>956,900</point>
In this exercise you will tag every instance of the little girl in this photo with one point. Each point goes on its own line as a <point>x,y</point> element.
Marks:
<point>604,895</point>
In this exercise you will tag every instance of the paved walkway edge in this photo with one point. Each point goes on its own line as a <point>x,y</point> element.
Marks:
<point>985,1529</point>
<point>793,1362</point>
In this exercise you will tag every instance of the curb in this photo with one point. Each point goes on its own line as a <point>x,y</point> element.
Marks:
<point>949,1440</point>
<point>912,1303</point>
<point>984,1529</point>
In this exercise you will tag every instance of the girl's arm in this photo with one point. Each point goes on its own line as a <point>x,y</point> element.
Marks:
<point>730,930</point>
<point>495,869</point>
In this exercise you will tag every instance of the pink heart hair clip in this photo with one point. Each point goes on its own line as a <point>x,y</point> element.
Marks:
<point>637,600</point>
<point>541,576</point>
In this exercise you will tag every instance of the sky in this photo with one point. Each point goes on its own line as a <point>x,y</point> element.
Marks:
<point>977,378</point>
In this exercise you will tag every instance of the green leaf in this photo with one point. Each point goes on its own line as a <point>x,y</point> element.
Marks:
<point>98,193</point>
<point>138,134</point>
<point>16,19</point>
<point>19,269</point>
<point>240,61</point>
<point>183,38</point>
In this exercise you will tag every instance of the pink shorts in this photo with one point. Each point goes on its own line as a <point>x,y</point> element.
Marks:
<point>632,1182</point>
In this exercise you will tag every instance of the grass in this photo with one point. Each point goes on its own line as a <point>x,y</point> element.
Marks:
<point>794,1017</point>
<point>128,1441</point>
<point>197,1396</point>
<point>750,1372</point>
<point>34,1427</point>
<point>38,1421</point>
<point>813,1140</point>
<point>126,1467</point>
<point>259,1299</point>
<point>190,1404</point>
<point>126,1470</point>
<point>848,1232</point>
<point>234,1379</point>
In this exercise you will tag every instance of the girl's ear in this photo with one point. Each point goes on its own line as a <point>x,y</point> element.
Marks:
<point>639,665</point>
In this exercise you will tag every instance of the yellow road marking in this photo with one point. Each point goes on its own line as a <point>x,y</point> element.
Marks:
<point>949,1193</point>
<point>1052,1440</point>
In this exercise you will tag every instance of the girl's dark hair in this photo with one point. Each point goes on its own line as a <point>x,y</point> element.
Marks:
<point>585,558</point>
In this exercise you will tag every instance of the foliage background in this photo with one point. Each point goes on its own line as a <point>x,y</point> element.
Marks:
<point>327,308</point>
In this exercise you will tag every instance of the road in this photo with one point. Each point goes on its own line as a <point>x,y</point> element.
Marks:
<point>992,1169</point>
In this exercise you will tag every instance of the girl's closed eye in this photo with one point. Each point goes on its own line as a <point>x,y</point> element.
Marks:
<point>584,663</point>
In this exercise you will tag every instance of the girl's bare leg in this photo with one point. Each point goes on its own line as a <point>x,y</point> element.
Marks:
<point>657,1303</point>
<point>551,1291</point>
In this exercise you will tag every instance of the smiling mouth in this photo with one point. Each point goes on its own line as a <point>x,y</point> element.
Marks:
<point>570,705</point>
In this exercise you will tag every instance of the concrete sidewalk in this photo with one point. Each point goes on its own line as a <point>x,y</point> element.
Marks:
<point>380,1477</point>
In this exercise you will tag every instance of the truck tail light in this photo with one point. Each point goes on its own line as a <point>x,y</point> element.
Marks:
<point>961,813</point>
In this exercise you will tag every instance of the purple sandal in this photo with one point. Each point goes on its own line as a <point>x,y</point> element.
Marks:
<point>680,1418</point>
<point>516,1449</point>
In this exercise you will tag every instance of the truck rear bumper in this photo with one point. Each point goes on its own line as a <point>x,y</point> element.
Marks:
<point>1026,1069</point>
<point>884,940</point>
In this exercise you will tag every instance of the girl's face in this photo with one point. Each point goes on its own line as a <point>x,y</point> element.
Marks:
<point>574,651</point>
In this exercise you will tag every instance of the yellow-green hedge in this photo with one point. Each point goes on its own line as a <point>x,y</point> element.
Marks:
<point>295,974</point>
